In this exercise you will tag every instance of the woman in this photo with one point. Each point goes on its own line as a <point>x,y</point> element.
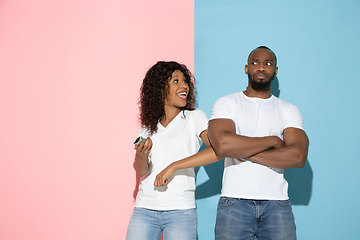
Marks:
<point>173,130</point>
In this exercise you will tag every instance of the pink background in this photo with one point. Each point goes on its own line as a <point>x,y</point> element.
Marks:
<point>70,73</point>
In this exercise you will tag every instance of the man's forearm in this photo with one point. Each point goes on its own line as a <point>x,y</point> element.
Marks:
<point>226,143</point>
<point>283,158</point>
<point>237,146</point>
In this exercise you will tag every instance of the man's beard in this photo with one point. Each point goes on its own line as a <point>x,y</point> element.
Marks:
<point>262,85</point>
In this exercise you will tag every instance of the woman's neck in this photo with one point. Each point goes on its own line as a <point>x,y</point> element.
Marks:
<point>170,114</point>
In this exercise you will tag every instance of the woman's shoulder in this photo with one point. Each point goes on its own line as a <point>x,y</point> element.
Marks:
<point>196,114</point>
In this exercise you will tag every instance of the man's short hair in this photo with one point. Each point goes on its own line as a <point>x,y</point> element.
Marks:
<point>264,47</point>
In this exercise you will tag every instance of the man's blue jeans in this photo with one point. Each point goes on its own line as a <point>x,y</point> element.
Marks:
<point>146,224</point>
<point>243,219</point>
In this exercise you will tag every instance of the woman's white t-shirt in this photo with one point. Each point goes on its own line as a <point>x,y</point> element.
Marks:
<point>180,139</point>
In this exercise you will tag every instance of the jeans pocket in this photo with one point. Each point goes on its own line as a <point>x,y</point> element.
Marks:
<point>285,203</point>
<point>226,201</point>
<point>190,211</point>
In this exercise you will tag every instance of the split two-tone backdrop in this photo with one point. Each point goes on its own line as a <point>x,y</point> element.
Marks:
<point>70,73</point>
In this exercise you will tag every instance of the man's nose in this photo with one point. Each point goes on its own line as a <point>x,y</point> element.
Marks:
<point>261,67</point>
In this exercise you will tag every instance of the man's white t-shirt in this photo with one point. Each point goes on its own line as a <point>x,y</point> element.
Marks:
<point>255,117</point>
<point>180,139</point>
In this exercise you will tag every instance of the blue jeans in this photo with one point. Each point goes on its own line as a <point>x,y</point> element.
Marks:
<point>146,224</point>
<point>243,219</point>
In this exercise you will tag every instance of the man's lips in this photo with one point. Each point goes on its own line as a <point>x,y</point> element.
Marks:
<point>261,76</point>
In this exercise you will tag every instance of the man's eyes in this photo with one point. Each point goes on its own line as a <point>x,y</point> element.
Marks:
<point>267,63</point>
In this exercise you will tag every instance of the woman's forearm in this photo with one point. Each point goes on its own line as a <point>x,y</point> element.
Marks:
<point>205,157</point>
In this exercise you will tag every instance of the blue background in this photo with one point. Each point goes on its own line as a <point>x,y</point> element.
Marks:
<point>317,46</point>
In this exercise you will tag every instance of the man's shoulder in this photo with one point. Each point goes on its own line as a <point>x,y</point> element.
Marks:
<point>231,96</point>
<point>283,102</point>
<point>286,107</point>
<point>235,94</point>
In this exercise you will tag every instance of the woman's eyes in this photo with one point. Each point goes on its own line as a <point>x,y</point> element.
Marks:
<point>177,80</point>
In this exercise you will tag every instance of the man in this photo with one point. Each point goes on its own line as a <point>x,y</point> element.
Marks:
<point>259,135</point>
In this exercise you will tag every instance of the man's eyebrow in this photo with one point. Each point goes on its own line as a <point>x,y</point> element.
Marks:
<point>267,60</point>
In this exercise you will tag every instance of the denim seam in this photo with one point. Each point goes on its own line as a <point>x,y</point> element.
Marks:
<point>227,203</point>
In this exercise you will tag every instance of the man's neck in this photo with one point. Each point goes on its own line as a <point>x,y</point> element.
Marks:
<point>250,92</point>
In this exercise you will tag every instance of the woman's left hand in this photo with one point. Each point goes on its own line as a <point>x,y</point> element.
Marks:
<point>162,177</point>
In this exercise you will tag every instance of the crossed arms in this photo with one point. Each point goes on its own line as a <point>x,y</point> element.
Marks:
<point>269,151</point>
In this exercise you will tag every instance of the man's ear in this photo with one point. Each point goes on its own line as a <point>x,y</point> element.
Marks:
<point>246,69</point>
<point>276,71</point>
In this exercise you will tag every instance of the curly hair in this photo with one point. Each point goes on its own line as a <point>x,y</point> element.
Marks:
<point>154,91</point>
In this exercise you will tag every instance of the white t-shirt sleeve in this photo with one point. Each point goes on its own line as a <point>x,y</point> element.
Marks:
<point>143,132</point>
<point>294,118</point>
<point>200,122</point>
<point>222,109</point>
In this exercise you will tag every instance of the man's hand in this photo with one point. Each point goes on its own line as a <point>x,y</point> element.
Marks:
<point>292,155</point>
<point>279,143</point>
<point>226,143</point>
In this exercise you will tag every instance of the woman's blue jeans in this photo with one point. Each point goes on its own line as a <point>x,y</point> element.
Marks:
<point>243,219</point>
<point>146,224</point>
